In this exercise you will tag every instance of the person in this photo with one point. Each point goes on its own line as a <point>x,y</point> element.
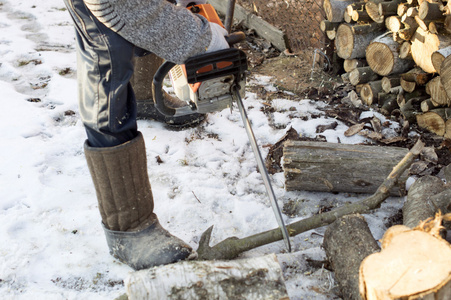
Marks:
<point>109,35</point>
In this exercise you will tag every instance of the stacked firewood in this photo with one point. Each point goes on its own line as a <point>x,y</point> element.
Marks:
<point>397,55</point>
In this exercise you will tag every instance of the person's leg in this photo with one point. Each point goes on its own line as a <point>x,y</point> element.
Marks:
<point>115,150</point>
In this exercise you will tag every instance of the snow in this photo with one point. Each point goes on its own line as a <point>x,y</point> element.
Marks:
<point>53,246</point>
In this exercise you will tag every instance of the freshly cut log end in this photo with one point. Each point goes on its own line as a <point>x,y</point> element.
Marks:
<point>382,55</point>
<point>351,40</point>
<point>424,44</point>
<point>372,9</point>
<point>439,56</point>
<point>412,264</point>
<point>432,122</point>
<point>335,9</point>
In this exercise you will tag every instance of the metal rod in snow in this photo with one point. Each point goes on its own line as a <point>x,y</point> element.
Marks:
<point>263,171</point>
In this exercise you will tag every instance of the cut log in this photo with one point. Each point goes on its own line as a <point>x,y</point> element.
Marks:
<point>410,109</point>
<point>388,104</point>
<point>447,23</point>
<point>393,23</point>
<point>360,16</point>
<point>437,92</point>
<point>317,166</point>
<point>424,44</point>
<point>417,75</point>
<point>369,91</point>
<point>347,18</point>
<point>409,28</point>
<point>351,64</point>
<point>413,264</point>
<point>252,278</point>
<point>382,55</point>
<point>372,9</point>
<point>448,131</point>
<point>351,40</point>
<point>389,82</point>
<point>347,241</point>
<point>402,9</point>
<point>439,56</point>
<point>432,121</point>
<point>430,11</point>
<point>362,75</point>
<point>427,105</point>
<point>418,207</point>
<point>355,6</point>
<point>327,25</point>
<point>445,75</point>
<point>404,51</point>
<point>408,86</point>
<point>388,8</point>
<point>335,9</point>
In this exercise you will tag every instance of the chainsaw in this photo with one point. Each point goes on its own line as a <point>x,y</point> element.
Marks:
<point>211,82</point>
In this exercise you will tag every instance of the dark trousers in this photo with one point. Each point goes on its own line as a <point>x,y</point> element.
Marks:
<point>104,67</point>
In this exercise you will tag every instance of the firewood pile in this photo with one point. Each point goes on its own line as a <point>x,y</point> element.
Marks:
<point>397,55</point>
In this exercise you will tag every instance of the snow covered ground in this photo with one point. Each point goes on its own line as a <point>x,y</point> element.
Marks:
<point>52,245</point>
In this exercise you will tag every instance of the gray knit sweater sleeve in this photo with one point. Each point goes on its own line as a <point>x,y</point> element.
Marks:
<point>171,32</point>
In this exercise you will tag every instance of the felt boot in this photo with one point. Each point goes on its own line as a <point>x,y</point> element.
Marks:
<point>144,71</point>
<point>132,230</point>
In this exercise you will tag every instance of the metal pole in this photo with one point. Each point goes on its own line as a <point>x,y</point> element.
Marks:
<point>263,171</point>
<point>229,15</point>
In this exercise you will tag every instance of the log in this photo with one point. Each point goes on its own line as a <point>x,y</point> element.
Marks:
<point>413,264</point>
<point>382,55</point>
<point>445,75</point>
<point>335,9</point>
<point>402,9</point>
<point>369,91</point>
<point>351,40</point>
<point>347,241</point>
<point>447,134</point>
<point>329,167</point>
<point>362,75</point>
<point>417,75</point>
<point>433,121</point>
<point>408,86</point>
<point>252,278</point>
<point>418,206</point>
<point>404,51</point>
<point>410,109</point>
<point>360,16</point>
<point>389,82</point>
<point>430,11</point>
<point>388,104</point>
<point>388,8</point>
<point>372,9</point>
<point>393,23</point>
<point>427,105</point>
<point>410,26</point>
<point>347,18</point>
<point>351,64</point>
<point>331,34</point>
<point>424,44</point>
<point>327,25</point>
<point>437,92</point>
<point>355,6</point>
<point>439,56</point>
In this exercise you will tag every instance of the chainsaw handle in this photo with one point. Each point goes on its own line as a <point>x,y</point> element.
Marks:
<point>157,89</point>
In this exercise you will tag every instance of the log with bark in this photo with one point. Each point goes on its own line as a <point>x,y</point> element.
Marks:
<point>382,55</point>
<point>418,206</point>
<point>370,91</point>
<point>437,91</point>
<point>390,82</point>
<point>434,120</point>
<point>335,9</point>
<point>362,75</point>
<point>347,241</point>
<point>439,56</point>
<point>252,278</point>
<point>351,64</point>
<point>424,44</point>
<point>351,40</point>
<point>317,166</point>
<point>413,264</point>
